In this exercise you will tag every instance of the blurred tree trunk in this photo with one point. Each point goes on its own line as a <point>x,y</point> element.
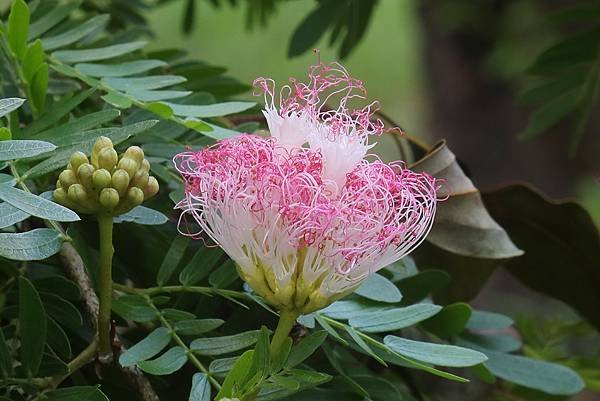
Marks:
<point>477,111</point>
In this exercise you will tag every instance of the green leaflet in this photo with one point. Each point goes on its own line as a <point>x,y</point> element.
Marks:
<point>37,244</point>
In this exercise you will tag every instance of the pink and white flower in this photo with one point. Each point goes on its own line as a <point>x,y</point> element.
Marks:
<point>306,214</point>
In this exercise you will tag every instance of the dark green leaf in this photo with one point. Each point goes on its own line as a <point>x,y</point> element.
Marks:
<point>6,362</point>
<point>450,322</point>
<point>37,244</point>
<point>197,326</point>
<point>39,87</point>
<point>305,348</point>
<point>134,307</point>
<point>142,215</point>
<point>172,259</point>
<point>493,342</point>
<point>551,113</point>
<point>346,309</point>
<point>58,340</point>
<point>379,288</point>
<point>33,59</point>
<point>52,18</point>
<point>417,287</point>
<point>169,362</point>
<point>200,388</point>
<point>56,112</point>
<point>544,376</point>
<point>36,205</point>
<point>313,26</point>
<point>80,124</point>
<point>237,375</point>
<point>21,149</point>
<point>211,110</point>
<point>32,327</point>
<point>58,285</point>
<point>481,320</point>
<point>147,83</point>
<point>436,354</point>
<point>101,53</point>
<point>119,70</point>
<point>393,319</point>
<point>62,310</point>
<point>201,264</point>
<point>225,344</point>
<point>10,215</point>
<point>225,275</point>
<point>10,104</point>
<point>83,393</point>
<point>145,349</point>
<point>175,315</point>
<point>18,26</point>
<point>557,237</point>
<point>73,35</point>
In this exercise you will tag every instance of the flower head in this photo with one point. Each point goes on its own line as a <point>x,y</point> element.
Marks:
<point>108,184</point>
<point>306,214</point>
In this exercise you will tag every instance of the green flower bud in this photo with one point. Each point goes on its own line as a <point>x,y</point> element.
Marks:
<point>145,165</point>
<point>84,174</point>
<point>77,194</point>
<point>60,195</point>
<point>120,181</point>
<point>140,179</point>
<point>101,179</point>
<point>136,153</point>
<point>107,158</point>
<point>152,188</point>
<point>135,196</point>
<point>129,165</point>
<point>109,198</point>
<point>77,159</point>
<point>67,178</point>
<point>101,143</point>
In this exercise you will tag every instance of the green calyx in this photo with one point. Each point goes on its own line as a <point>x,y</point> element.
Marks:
<point>106,184</point>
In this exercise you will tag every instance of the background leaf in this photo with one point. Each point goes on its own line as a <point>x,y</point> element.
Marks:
<point>36,244</point>
<point>32,327</point>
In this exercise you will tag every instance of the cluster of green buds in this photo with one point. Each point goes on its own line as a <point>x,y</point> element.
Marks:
<point>107,184</point>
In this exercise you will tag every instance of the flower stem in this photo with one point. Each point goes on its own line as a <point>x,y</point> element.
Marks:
<point>287,320</point>
<point>105,227</point>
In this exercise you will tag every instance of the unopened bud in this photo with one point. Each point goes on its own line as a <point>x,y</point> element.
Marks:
<point>152,188</point>
<point>145,165</point>
<point>84,173</point>
<point>60,195</point>
<point>129,165</point>
<point>109,198</point>
<point>135,196</point>
<point>120,181</point>
<point>101,143</point>
<point>136,153</point>
<point>107,158</point>
<point>77,159</point>
<point>140,179</point>
<point>77,194</point>
<point>67,178</point>
<point>101,179</point>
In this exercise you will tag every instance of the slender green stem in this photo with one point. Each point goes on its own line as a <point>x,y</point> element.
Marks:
<point>287,320</point>
<point>105,227</point>
<point>181,343</point>
<point>180,288</point>
<point>79,361</point>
